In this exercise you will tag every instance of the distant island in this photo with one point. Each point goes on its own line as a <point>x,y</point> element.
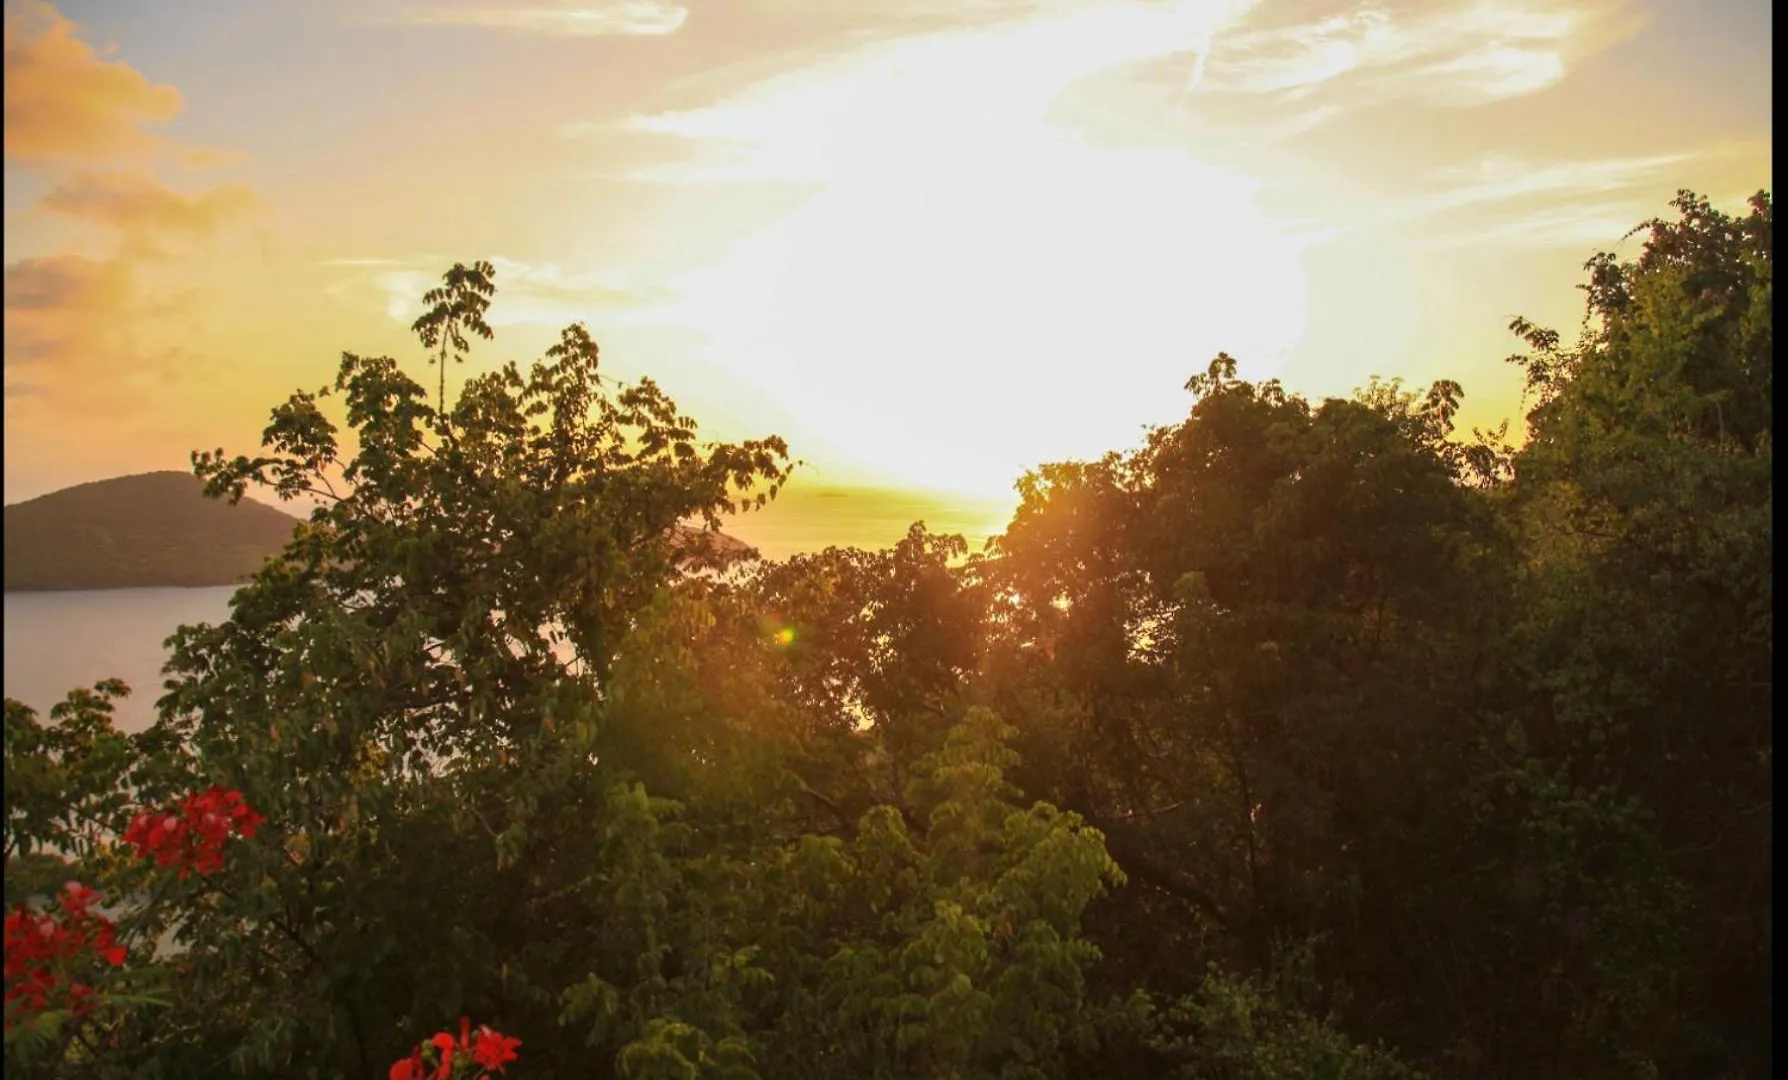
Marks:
<point>151,530</point>
<point>157,530</point>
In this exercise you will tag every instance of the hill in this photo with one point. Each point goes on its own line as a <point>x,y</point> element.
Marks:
<point>158,530</point>
<point>153,529</point>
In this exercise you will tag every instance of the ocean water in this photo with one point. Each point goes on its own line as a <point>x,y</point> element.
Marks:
<point>56,641</point>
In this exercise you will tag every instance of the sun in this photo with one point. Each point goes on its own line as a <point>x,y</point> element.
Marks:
<point>979,285</point>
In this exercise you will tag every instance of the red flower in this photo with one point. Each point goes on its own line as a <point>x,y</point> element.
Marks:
<point>487,1049</point>
<point>409,1068</point>
<point>77,898</point>
<point>193,838</point>
<point>81,998</point>
<point>444,1043</point>
<point>40,948</point>
<point>493,1049</point>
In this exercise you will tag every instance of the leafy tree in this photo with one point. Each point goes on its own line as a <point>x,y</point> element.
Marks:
<point>1644,493</point>
<point>414,695</point>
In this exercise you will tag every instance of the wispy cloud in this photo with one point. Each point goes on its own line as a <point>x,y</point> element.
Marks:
<point>886,101</point>
<point>527,293</point>
<point>1436,53</point>
<point>142,210</point>
<point>367,262</point>
<point>1506,200</point>
<point>1204,36</point>
<point>1289,76</point>
<point>1500,177</point>
<point>646,18</point>
<point>1580,225</point>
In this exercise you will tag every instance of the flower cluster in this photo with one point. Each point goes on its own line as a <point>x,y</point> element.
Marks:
<point>192,836</point>
<point>42,946</point>
<point>474,1054</point>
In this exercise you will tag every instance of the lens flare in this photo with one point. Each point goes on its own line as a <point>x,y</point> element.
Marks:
<point>785,636</point>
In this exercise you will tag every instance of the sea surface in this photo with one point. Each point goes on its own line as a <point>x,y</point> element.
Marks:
<point>56,641</point>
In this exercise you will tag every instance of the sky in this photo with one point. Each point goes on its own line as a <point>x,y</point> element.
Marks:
<point>931,243</point>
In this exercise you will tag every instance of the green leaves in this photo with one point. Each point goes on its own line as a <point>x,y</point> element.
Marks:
<point>1238,1028</point>
<point>63,795</point>
<point>1644,498</point>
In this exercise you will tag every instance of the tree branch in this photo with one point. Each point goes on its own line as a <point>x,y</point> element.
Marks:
<point>1132,815</point>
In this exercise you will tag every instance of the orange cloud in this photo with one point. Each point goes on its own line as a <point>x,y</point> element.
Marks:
<point>138,207</point>
<point>63,102</point>
<point>64,281</point>
<point>83,329</point>
<point>90,369</point>
<point>93,341</point>
<point>60,306</point>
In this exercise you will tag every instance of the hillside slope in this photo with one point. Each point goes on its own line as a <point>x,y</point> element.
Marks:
<point>158,530</point>
<point>154,529</point>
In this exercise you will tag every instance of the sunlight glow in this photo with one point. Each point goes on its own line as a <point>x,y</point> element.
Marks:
<point>930,243</point>
<point>979,286</point>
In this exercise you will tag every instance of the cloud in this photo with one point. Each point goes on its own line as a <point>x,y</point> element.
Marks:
<point>84,329</point>
<point>139,208</point>
<point>1443,54</point>
<point>364,262</point>
<point>917,7</point>
<point>959,13</point>
<point>527,293</point>
<point>1501,199</point>
<point>66,283</point>
<point>1506,200</point>
<point>644,18</point>
<point>1579,225</point>
<point>63,310</point>
<point>881,104</point>
<point>87,328</point>
<point>63,102</point>
<point>1499,178</point>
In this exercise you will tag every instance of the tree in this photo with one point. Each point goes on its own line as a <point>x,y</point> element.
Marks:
<point>415,692</point>
<point>1644,494</point>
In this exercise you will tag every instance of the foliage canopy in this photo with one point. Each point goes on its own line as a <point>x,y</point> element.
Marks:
<point>1305,740</point>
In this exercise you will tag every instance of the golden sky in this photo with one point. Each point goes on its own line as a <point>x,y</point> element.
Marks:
<point>932,243</point>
